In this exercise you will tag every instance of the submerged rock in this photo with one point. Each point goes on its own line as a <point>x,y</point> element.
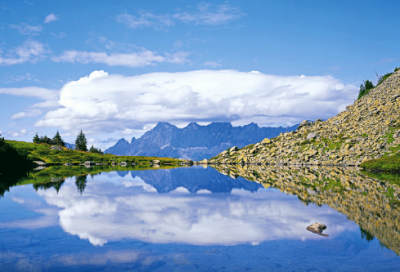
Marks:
<point>317,228</point>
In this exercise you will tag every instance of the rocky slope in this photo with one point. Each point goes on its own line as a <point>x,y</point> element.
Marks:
<point>193,141</point>
<point>368,129</point>
<point>371,203</point>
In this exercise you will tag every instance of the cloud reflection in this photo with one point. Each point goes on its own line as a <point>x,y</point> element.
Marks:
<point>130,209</point>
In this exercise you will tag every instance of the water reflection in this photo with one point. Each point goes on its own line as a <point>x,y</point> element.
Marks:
<point>196,206</point>
<point>372,203</point>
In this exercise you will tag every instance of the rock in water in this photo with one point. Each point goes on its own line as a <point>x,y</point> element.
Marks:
<point>317,228</point>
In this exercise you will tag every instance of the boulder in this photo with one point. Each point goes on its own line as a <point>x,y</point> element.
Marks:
<point>68,164</point>
<point>89,163</point>
<point>233,149</point>
<point>303,124</point>
<point>311,135</point>
<point>56,147</point>
<point>317,228</point>
<point>40,163</point>
<point>266,141</point>
<point>123,164</point>
<point>156,161</point>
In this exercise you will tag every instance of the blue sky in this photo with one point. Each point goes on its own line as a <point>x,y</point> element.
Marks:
<point>116,68</point>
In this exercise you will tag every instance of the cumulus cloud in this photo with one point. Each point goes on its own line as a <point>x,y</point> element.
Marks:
<point>103,103</point>
<point>28,51</point>
<point>204,14</point>
<point>135,59</point>
<point>50,18</point>
<point>212,64</point>
<point>25,29</point>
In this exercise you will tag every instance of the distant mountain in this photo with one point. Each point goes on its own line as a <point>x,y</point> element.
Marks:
<point>69,146</point>
<point>193,179</point>
<point>194,141</point>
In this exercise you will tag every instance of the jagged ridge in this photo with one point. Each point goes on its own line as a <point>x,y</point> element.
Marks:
<point>194,141</point>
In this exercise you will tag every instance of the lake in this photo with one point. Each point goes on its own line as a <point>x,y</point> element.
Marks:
<point>198,218</point>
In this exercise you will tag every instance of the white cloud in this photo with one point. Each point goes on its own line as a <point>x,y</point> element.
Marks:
<point>103,103</point>
<point>59,35</point>
<point>204,14</point>
<point>50,97</point>
<point>207,14</point>
<point>212,64</point>
<point>28,51</point>
<point>19,133</point>
<point>26,29</point>
<point>26,114</point>
<point>135,59</point>
<point>180,217</point>
<point>145,19</point>
<point>50,18</point>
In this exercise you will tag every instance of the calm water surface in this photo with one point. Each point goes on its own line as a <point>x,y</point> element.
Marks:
<point>189,219</point>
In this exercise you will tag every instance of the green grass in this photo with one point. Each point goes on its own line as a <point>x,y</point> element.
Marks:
<point>42,152</point>
<point>391,163</point>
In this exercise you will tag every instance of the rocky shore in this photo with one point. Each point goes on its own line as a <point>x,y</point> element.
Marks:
<point>368,129</point>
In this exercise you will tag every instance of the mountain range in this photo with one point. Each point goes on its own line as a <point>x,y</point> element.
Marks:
<point>194,141</point>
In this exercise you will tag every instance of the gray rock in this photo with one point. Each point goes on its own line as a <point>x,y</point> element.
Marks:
<point>123,164</point>
<point>68,164</point>
<point>40,163</point>
<point>156,161</point>
<point>89,163</point>
<point>56,147</point>
<point>311,135</point>
<point>233,149</point>
<point>317,228</point>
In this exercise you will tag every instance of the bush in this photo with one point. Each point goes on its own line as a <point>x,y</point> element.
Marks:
<point>365,88</point>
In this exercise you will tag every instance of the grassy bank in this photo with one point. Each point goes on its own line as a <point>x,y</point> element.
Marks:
<point>42,152</point>
<point>388,164</point>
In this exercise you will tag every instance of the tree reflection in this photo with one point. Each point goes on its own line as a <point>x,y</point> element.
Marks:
<point>81,182</point>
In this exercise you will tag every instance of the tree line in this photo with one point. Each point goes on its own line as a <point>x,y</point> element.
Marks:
<point>80,142</point>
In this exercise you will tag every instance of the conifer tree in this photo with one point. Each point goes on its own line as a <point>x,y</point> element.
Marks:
<point>95,150</point>
<point>36,139</point>
<point>57,140</point>
<point>81,142</point>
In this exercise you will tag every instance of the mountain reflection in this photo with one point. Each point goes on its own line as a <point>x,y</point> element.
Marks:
<point>371,203</point>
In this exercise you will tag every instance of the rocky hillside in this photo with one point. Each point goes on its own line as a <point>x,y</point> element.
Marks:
<point>194,141</point>
<point>368,129</point>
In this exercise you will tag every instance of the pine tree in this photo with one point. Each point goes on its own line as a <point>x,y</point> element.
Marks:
<point>57,140</point>
<point>95,150</point>
<point>81,142</point>
<point>36,139</point>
